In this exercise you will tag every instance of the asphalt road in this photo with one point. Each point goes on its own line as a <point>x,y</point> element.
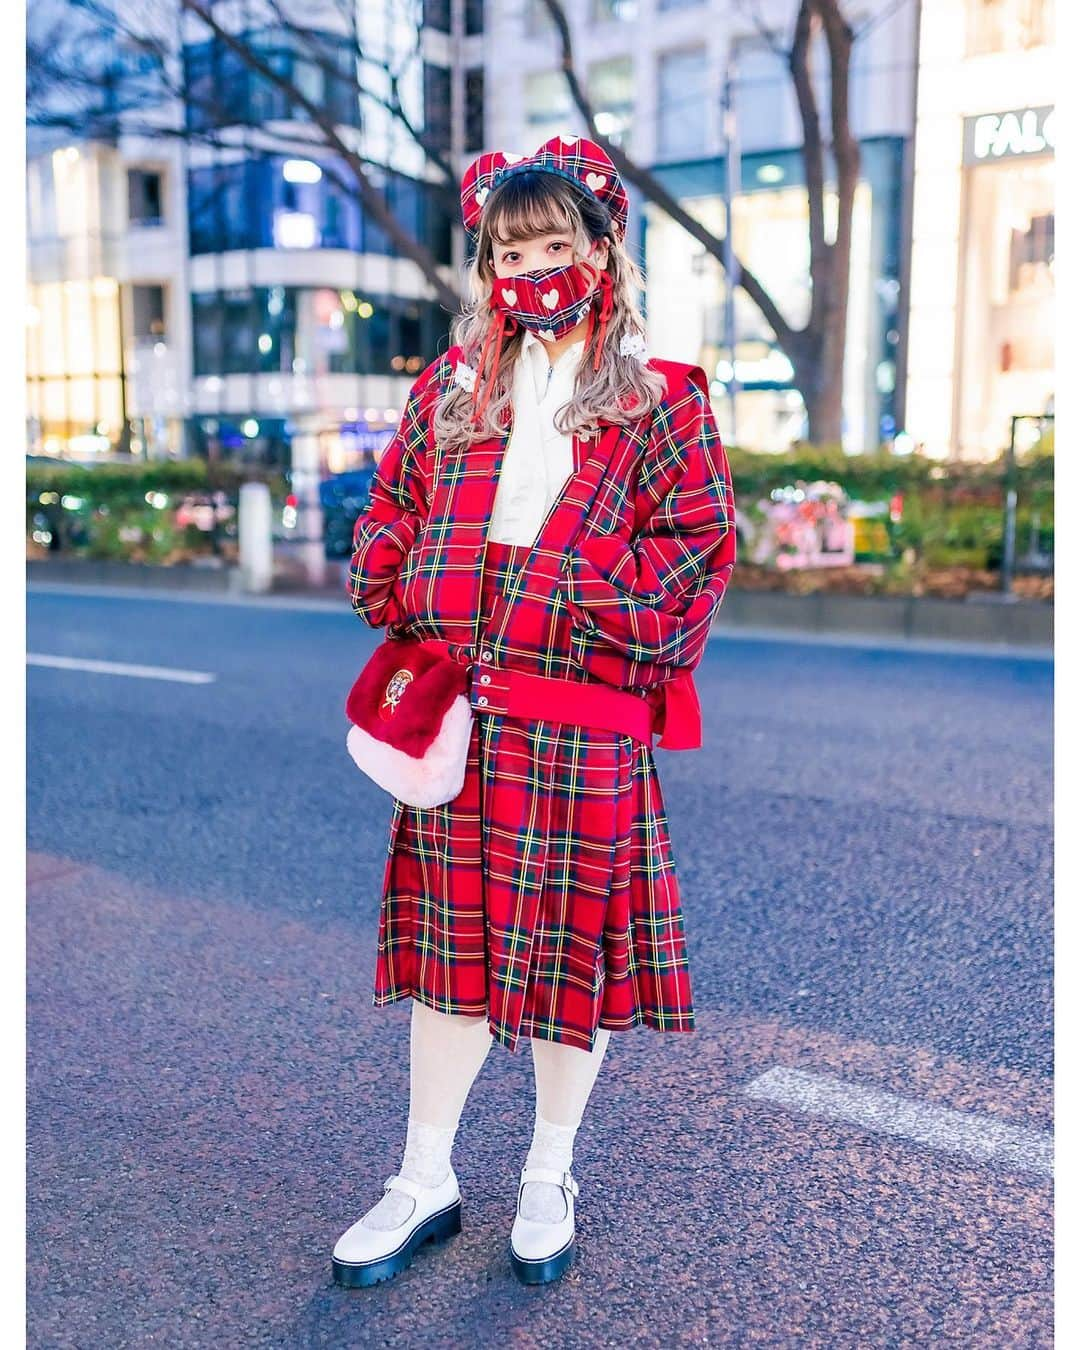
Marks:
<point>852,1149</point>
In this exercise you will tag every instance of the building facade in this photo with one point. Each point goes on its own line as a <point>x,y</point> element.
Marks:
<point>216,289</point>
<point>982,247</point>
<point>655,71</point>
<point>108,318</point>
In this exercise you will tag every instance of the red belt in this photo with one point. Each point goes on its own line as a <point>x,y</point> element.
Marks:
<point>671,709</point>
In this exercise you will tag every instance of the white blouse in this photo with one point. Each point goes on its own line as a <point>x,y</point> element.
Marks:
<point>538,458</point>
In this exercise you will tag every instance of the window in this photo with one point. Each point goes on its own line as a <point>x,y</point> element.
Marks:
<point>1008,25</point>
<point>253,204</point>
<point>474,17</point>
<point>206,325</point>
<point>437,104</point>
<point>437,15</point>
<point>1031,255</point>
<point>148,311</point>
<point>611,89</point>
<point>144,197</point>
<point>548,107</point>
<point>1006,332</point>
<point>681,108</point>
<point>474,110</point>
<point>221,214</point>
<point>223,90</point>
<point>313,331</point>
<point>765,105</point>
<point>605,10</point>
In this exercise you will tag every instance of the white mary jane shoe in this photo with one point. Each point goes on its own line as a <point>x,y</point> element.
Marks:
<point>540,1252</point>
<point>365,1255</point>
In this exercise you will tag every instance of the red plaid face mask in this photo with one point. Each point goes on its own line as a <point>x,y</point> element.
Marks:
<point>550,301</point>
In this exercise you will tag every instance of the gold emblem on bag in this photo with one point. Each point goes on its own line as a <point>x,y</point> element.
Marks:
<point>395,688</point>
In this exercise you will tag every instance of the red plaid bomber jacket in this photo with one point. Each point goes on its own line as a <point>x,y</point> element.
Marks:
<point>627,570</point>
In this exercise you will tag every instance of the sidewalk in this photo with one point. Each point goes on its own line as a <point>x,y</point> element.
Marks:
<point>980,619</point>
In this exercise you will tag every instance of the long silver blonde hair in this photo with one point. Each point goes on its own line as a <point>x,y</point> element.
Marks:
<point>623,389</point>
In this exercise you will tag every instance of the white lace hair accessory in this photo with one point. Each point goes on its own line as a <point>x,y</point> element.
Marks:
<point>633,344</point>
<point>465,376</point>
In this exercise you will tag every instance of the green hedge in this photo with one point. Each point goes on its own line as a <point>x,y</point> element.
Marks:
<point>952,512</point>
<point>879,474</point>
<point>114,520</point>
<point>114,482</point>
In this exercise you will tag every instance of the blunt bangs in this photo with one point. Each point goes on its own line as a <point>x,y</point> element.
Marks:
<point>527,205</point>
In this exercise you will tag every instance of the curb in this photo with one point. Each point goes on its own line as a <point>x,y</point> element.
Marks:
<point>984,620</point>
<point>138,576</point>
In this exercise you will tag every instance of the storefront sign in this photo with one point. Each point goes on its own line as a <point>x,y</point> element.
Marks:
<point>1008,135</point>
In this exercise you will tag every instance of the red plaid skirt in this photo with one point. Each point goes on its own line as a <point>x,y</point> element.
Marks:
<point>544,895</point>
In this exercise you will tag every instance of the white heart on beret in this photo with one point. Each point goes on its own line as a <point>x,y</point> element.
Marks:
<point>595,180</point>
<point>510,297</point>
<point>482,196</point>
<point>551,298</point>
<point>548,335</point>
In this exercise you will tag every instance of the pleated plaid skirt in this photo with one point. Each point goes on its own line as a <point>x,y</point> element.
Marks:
<point>544,896</point>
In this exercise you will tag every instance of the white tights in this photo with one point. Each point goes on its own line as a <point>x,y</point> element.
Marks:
<point>446,1052</point>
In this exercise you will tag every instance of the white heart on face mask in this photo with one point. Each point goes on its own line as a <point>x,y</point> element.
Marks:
<point>510,297</point>
<point>547,335</point>
<point>550,298</point>
<point>596,180</point>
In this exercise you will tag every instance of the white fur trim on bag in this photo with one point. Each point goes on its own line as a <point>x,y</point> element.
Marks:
<point>435,778</point>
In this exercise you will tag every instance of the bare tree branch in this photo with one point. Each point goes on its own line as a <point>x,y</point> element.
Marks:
<point>767,35</point>
<point>816,350</point>
<point>371,199</point>
<point>316,55</point>
<point>883,15</point>
<point>655,191</point>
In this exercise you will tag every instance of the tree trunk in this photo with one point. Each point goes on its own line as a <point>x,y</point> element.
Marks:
<point>823,393</point>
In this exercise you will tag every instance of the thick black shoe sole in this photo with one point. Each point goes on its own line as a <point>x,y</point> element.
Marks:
<point>435,1228</point>
<point>542,1272</point>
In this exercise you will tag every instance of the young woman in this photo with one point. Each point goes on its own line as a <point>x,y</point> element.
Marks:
<point>555,511</point>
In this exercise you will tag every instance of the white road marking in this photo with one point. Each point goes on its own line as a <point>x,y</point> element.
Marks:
<point>983,1138</point>
<point>120,668</point>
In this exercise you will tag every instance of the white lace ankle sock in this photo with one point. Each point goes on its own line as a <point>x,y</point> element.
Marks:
<point>426,1161</point>
<point>552,1146</point>
<point>446,1052</point>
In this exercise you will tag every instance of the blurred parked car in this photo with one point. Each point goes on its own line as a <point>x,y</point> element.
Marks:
<point>343,497</point>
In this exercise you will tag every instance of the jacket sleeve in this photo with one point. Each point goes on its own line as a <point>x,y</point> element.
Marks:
<point>395,510</point>
<point>642,600</point>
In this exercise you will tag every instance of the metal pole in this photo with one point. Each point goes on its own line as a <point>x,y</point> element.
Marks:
<point>732,174</point>
<point>1008,549</point>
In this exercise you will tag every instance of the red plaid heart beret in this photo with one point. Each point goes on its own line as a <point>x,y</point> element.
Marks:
<point>572,157</point>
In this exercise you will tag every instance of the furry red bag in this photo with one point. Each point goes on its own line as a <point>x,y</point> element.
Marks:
<point>411,722</point>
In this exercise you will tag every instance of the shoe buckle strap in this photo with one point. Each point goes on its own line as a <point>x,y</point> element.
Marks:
<point>400,1183</point>
<point>551,1174</point>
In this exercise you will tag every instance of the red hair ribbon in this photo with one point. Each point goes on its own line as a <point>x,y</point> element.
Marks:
<point>606,288</point>
<point>501,326</point>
